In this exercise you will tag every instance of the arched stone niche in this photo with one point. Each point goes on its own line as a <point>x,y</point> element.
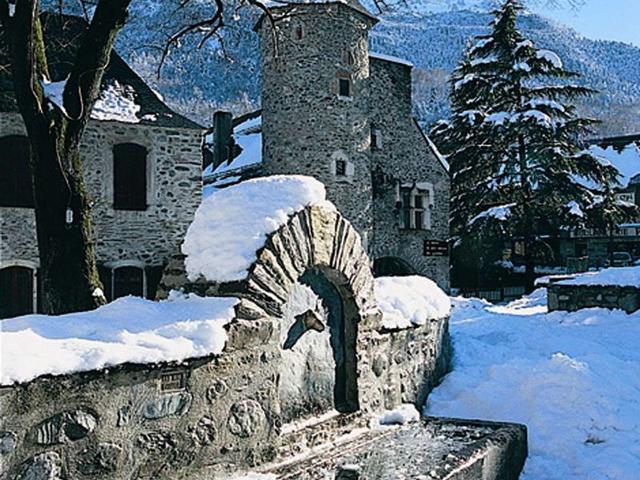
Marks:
<point>310,294</point>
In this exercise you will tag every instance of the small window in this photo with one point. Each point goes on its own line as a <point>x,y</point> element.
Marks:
<point>341,168</point>
<point>376,139</point>
<point>16,187</point>
<point>129,177</point>
<point>128,281</point>
<point>347,58</point>
<point>16,291</point>
<point>298,32</point>
<point>344,87</point>
<point>416,208</point>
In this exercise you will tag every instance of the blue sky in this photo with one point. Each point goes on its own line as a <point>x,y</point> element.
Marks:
<point>602,19</point>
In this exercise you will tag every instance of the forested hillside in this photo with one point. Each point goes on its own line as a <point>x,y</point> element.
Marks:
<point>197,81</point>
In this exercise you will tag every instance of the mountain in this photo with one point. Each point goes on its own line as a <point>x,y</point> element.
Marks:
<point>196,81</point>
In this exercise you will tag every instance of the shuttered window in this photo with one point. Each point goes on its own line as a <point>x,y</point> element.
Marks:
<point>16,188</point>
<point>16,291</point>
<point>129,177</point>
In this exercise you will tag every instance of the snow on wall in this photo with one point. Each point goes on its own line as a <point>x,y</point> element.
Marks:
<point>232,224</point>
<point>410,301</point>
<point>622,277</point>
<point>128,330</point>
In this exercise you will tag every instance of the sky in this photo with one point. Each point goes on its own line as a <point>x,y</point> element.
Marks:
<point>601,19</point>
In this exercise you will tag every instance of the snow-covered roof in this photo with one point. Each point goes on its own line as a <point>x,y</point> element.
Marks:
<point>232,224</point>
<point>248,136</point>
<point>123,97</point>
<point>619,276</point>
<point>625,156</point>
<point>390,58</point>
<point>128,330</point>
<point>410,301</point>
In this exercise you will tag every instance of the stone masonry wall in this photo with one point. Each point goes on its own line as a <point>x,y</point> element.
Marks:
<point>202,417</point>
<point>150,237</point>
<point>404,157</point>
<point>576,297</point>
<point>306,125</point>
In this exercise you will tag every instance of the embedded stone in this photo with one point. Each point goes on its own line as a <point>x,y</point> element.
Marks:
<point>156,443</point>
<point>45,466</point>
<point>124,415</point>
<point>217,390</point>
<point>205,431</point>
<point>172,404</point>
<point>8,442</point>
<point>246,418</point>
<point>99,459</point>
<point>63,427</point>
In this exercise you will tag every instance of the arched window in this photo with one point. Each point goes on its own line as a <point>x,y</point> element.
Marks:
<point>16,187</point>
<point>129,177</point>
<point>16,291</point>
<point>128,281</point>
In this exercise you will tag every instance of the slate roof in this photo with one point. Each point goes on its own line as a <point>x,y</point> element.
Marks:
<point>62,37</point>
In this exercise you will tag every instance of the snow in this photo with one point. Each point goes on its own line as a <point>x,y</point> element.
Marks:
<point>483,61</point>
<point>550,57</point>
<point>621,276</point>
<point>390,58</point>
<point>575,209</point>
<point>410,301</point>
<point>500,213</point>
<point>469,77</point>
<point>233,223</point>
<point>116,102</point>
<point>522,66</point>
<point>405,413</point>
<point>572,378</point>
<point>54,92</point>
<point>128,330</point>
<point>540,117</point>
<point>498,118</point>
<point>541,102</point>
<point>443,161</point>
<point>12,9</point>
<point>248,136</point>
<point>627,161</point>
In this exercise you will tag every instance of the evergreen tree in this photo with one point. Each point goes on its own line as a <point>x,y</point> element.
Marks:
<point>513,140</point>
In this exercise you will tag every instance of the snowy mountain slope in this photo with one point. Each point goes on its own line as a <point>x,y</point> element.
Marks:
<point>196,81</point>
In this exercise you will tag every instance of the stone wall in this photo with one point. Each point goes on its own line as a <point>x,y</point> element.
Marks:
<point>576,297</point>
<point>205,416</point>
<point>306,124</point>
<point>150,237</point>
<point>404,157</point>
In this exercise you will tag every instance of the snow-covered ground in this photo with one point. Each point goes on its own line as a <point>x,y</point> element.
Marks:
<point>572,378</point>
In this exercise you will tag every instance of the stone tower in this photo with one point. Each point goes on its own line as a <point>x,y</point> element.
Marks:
<point>315,91</point>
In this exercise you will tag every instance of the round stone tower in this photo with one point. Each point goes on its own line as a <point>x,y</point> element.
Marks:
<point>315,90</point>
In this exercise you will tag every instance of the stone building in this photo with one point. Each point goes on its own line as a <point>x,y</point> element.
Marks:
<point>335,111</point>
<point>142,166</point>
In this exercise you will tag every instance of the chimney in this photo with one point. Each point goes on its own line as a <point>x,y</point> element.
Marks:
<point>222,140</point>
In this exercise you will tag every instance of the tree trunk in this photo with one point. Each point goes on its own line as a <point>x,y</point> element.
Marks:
<point>68,272</point>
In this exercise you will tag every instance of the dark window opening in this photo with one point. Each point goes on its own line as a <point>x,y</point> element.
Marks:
<point>344,87</point>
<point>347,58</point>
<point>16,291</point>
<point>341,168</point>
<point>129,177</point>
<point>128,281</point>
<point>376,139</point>
<point>16,187</point>
<point>299,32</point>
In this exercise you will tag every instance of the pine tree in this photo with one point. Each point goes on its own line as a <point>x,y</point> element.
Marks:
<point>513,140</point>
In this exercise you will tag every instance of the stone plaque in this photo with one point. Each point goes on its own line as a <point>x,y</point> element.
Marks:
<point>173,382</point>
